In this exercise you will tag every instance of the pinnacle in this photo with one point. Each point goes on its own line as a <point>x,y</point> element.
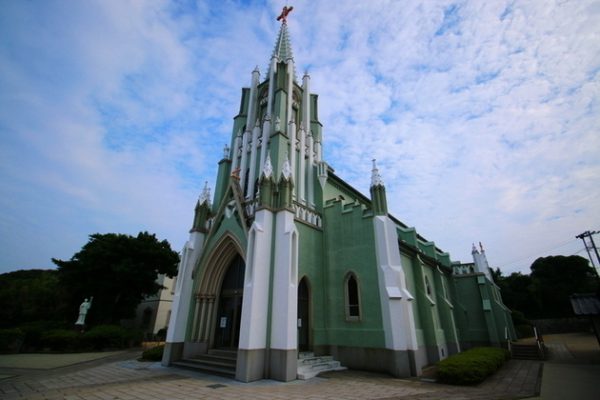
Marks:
<point>283,48</point>
<point>375,176</point>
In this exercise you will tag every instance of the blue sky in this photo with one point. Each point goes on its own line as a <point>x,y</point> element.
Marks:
<point>484,116</point>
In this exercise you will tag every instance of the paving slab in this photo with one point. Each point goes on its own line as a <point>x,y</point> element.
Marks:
<point>120,378</point>
<point>49,361</point>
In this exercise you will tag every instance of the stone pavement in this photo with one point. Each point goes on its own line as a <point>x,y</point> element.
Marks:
<point>127,379</point>
<point>573,367</point>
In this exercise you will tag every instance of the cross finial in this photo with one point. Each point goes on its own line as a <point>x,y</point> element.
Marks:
<point>284,13</point>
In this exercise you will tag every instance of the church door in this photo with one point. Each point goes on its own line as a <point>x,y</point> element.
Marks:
<point>227,334</point>
<point>303,316</point>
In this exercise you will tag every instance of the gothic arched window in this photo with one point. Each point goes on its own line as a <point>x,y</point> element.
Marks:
<point>352,298</point>
<point>427,286</point>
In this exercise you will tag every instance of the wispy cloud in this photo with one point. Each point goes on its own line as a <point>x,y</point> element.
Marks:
<point>483,115</point>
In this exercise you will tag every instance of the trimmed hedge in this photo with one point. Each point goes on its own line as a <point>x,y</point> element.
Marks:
<point>100,337</point>
<point>472,366</point>
<point>11,340</point>
<point>34,332</point>
<point>110,337</point>
<point>154,354</point>
<point>61,340</point>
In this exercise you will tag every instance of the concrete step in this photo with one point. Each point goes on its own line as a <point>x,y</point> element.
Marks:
<point>205,367</point>
<point>223,353</point>
<point>214,360</point>
<point>315,360</point>
<point>526,352</point>
<point>217,362</point>
<point>309,367</point>
<point>306,354</point>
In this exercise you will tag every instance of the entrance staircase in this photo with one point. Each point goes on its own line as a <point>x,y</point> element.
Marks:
<point>216,362</point>
<point>521,351</point>
<point>310,365</point>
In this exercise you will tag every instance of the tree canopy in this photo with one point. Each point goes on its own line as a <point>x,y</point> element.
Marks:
<point>544,293</point>
<point>118,271</point>
<point>555,278</point>
<point>28,296</point>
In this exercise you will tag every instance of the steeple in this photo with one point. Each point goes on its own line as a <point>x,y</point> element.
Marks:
<point>278,117</point>
<point>282,52</point>
<point>481,262</point>
<point>202,211</point>
<point>283,47</point>
<point>378,196</point>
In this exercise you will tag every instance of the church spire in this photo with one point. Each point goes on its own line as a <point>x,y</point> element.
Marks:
<point>378,196</point>
<point>282,52</point>
<point>283,47</point>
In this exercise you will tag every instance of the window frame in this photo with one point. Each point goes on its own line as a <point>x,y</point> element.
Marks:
<point>347,306</point>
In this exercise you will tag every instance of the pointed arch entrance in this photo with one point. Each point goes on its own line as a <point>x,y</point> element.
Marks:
<point>229,314</point>
<point>219,296</point>
<point>304,315</point>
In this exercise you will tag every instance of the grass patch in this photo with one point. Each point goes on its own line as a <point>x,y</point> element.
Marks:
<point>472,366</point>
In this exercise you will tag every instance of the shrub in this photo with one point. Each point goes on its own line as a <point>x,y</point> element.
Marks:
<point>61,340</point>
<point>472,366</point>
<point>34,331</point>
<point>11,340</point>
<point>111,337</point>
<point>153,354</point>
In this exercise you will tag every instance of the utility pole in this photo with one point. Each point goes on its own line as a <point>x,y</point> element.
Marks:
<point>589,235</point>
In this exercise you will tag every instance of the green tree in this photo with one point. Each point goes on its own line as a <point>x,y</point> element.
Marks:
<point>29,296</point>
<point>118,271</point>
<point>518,293</point>
<point>555,278</point>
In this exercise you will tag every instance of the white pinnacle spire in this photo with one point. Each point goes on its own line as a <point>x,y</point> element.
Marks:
<point>226,151</point>
<point>286,170</point>
<point>474,249</point>
<point>375,177</point>
<point>268,168</point>
<point>205,195</point>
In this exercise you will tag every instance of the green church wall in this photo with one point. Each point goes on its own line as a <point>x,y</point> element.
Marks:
<point>472,325</point>
<point>349,245</point>
<point>311,266</point>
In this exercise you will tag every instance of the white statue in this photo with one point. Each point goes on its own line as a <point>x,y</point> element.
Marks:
<point>83,310</point>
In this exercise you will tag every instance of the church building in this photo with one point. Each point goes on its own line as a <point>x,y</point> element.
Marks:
<point>288,262</point>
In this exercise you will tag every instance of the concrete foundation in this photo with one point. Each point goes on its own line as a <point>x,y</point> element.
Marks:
<point>250,365</point>
<point>172,352</point>
<point>283,364</point>
<point>191,349</point>
<point>400,364</point>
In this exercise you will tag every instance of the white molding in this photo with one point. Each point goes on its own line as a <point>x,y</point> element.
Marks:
<point>284,323</point>
<point>253,326</point>
<point>182,298</point>
<point>396,306</point>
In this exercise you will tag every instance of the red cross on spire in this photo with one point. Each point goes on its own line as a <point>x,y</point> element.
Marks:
<point>284,13</point>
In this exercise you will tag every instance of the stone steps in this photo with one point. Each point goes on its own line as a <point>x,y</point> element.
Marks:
<point>217,362</point>
<point>526,352</point>
<point>310,365</point>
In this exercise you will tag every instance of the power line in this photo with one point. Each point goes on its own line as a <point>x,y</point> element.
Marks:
<point>539,252</point>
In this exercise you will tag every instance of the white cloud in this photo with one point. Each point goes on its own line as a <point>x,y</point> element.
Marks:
<point>483,115</point>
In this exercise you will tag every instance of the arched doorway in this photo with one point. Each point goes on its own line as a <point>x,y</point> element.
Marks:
<point>303,316</point>
<point>227,326</point>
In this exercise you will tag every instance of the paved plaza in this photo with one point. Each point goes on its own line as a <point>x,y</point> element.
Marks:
<point>119,376</point>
